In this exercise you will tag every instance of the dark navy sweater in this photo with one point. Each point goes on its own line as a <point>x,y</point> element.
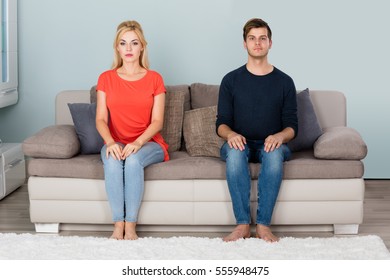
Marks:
<point>257,106</point>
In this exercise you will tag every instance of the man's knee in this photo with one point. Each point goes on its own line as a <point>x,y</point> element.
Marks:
<point>277,155</point>
<point>274,158</point>
<point>232,153</point>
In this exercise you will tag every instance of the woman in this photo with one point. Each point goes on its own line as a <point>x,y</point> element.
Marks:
<point>129,117</point>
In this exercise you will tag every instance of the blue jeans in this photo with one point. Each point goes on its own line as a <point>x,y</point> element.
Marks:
<point>239,179</point>
<point>125,180</point>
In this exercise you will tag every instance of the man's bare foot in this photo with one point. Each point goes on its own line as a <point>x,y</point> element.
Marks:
<point>130,233</point>
<point>119,229</point>
<point>265,233</point>
<point>241,231</point>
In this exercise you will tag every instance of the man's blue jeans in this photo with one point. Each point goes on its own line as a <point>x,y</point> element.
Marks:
<point>125,180</point>
<point>239,179</point>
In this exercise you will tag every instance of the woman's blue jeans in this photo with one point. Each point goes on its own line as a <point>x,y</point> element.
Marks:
<point>239,179</point>
<point>125,180</point>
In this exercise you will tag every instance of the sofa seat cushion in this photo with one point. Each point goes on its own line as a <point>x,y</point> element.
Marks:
<point>181,166</point>
<point>81,166</point>
<point>304,165</point>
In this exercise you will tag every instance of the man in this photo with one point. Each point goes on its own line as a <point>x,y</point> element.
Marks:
<point>257,116</point>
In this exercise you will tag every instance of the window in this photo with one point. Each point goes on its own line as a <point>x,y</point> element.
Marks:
<point>9,53</point>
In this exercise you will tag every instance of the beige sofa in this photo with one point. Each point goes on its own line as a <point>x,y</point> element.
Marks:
<point>322,188</point>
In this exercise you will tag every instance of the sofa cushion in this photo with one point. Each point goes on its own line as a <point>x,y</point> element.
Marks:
<point>204,95</point>
<point>199,132</point>
<point>84,116</point>
<point>308,126</point>
<point>181,88</point>
<point>173,119</point>
<point>340,143</point>
<point>80,166</point>
<point>56,141</point>
<point>93,94</point>
<point>182,166</point>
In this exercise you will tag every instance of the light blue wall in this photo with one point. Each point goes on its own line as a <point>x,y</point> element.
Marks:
<point>340,45</point>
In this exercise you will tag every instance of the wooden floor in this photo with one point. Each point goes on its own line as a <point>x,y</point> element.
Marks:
<point>14,216</point>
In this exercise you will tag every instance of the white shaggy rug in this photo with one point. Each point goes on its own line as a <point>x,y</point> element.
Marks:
<point>52,247</point>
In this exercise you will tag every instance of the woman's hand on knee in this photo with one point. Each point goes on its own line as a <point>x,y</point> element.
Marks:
<point>131,148</point>
<point>115,150</point>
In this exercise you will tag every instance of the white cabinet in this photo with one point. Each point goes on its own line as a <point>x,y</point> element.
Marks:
<point>12,168</point>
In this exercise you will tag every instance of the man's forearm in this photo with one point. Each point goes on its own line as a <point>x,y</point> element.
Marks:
<point>288,133</point>
<point>224,131</point>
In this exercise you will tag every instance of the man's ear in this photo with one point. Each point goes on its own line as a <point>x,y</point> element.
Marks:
<point>244,43</point>
<point>270,43</point>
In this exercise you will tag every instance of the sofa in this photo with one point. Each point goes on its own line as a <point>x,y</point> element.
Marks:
<point>322,187</point>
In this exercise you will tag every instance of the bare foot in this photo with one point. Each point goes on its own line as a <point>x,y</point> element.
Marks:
<point>119,229</point>
<point>265,233</point>
<point>241,231</point>
<point>130,233</point>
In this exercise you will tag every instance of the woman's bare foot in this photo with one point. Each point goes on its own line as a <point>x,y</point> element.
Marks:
<point>119,229</point>
<point>266,234</point>
<point>130,233</point>
<point>241,231</point>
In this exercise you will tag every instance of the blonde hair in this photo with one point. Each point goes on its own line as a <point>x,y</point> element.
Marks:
<point>123,27</point>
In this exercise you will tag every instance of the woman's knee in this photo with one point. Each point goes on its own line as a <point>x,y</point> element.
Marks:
<point>133,161</point>
<point>109,162</point>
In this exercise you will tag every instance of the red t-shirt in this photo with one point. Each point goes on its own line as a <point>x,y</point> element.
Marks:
<point>130,105</point>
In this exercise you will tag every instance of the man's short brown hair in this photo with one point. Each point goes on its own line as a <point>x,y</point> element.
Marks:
<point>256,23</point>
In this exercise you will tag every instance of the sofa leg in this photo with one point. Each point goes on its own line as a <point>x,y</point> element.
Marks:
<point>47,227</point>
<point>346,228</point>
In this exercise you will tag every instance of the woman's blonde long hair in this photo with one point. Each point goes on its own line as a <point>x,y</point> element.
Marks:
<point>123,27</point>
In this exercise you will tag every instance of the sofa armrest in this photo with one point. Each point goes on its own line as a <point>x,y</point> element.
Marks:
<point>340,143</point>
<point>56,141</point>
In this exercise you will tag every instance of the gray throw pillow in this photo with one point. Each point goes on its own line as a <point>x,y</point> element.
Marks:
<point>199,132</point>
<point>309,128</point>
<point>83,115</point>
<point>340,142</point>
<point>55,141</point>
<point>173,119</point>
